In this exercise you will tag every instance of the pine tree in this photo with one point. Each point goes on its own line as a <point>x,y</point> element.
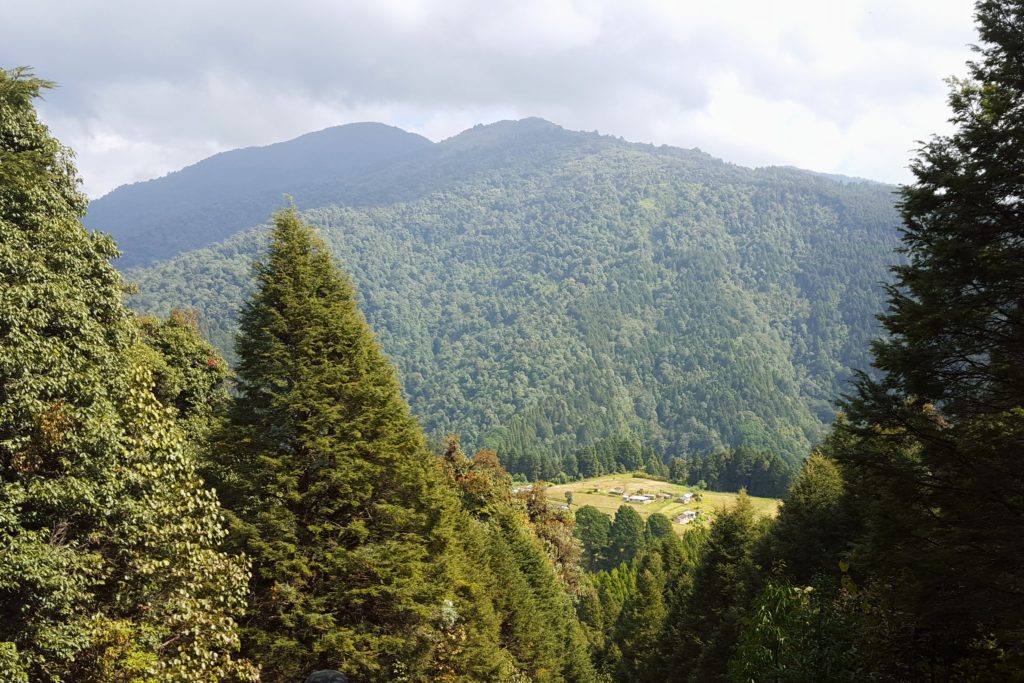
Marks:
<point>108,563</point>
<point>813,527</point>
<point>593,529</point>
<point>935,442</point>
<point>725,581</point>
<point>627,536</point>
<point>344,512</point>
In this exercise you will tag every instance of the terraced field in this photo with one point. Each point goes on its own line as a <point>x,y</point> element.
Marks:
<point>598,492</point>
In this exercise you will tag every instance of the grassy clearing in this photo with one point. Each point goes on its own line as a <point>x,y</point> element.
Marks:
<point>596,492</point>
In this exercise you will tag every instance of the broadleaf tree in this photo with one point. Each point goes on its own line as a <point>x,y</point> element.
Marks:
<point>109,560</point>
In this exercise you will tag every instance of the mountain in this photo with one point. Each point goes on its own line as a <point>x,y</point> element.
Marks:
<point>542,289</point>
<point>227,192</point>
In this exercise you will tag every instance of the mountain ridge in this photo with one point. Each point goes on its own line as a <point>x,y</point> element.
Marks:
<point>318,169</point>
<point>541,289</point>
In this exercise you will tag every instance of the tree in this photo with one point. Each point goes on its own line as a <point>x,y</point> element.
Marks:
<point>813,526</point>
<point>642,620</point>
<point>593,528</point>
<point>626,537</point>
<point>344,512</point>
<point>935,441</point>
<point>109,568</point>
<point>659,526</point>
<point>189,373</point>
<point>725,581</point>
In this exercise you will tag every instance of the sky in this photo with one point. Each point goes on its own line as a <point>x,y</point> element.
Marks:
<point>149,87</point>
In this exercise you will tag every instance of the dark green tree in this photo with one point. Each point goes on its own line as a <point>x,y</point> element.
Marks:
<point>814,526</point>
<point>708,622</point>
<point>344,512</point>
<point>626,536</point>
<point>937,438</point>
<point>593,528</point>
<point>109,568</point>
<point>659,526</point>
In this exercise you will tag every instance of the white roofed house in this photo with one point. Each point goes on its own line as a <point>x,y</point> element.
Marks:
<point>686,516</point>
<point>643,500</point>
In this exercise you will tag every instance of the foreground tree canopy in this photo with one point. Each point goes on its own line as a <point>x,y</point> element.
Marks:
<point>109,568</point>
<point>156,527</point>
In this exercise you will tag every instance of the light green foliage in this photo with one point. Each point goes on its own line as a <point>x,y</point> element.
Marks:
<point>108,561</point>
<point>541,290</point>
<point>797,634</point>
<point>189,373</point>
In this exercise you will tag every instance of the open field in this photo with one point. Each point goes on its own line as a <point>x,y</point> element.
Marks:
<point>596,492</point>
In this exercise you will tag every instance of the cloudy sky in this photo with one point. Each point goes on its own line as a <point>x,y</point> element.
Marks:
<point>148,87</point>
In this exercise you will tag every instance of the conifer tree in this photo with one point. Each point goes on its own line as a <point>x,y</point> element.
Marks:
<point>642,619</point>
<point>658,527</point>
<point>344,512</point>
<point>725,581</point>
<point>626,537</point>
<point>593,529</point>
<point>936,441</point>
<point>813,526</point>
<point>108,562</point>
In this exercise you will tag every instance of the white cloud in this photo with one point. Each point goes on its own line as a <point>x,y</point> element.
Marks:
<point>839,87</point>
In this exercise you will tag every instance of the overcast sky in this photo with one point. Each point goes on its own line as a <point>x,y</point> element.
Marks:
<point>148,87</point>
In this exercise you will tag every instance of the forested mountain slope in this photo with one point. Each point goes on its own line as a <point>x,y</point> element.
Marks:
<point>228,192</point>
<point>541,288</point>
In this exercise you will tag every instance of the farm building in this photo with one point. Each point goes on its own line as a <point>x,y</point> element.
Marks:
<point>643,500</point>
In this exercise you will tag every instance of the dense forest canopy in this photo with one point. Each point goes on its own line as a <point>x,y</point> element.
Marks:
<point>542,289</point>
<point>166,518</point>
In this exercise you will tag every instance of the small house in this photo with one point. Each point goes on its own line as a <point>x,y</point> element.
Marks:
<point>686,516</point>
<point>685,498</point>
<point>643,500</point>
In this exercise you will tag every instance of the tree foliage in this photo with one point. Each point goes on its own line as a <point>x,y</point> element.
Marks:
<point>340,505</point>
<point>109,568</point>
<point>542,290</point>
<point>935,440</point>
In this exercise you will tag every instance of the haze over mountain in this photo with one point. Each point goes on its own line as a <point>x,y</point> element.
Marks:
<point>540,288</point>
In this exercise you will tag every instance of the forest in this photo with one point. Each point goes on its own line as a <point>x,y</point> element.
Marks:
<point>541,289</point>
<point>170,514</point>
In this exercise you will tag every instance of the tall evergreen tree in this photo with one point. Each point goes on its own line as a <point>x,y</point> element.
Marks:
<point>642,620</point>
<point>936,441</point>
<point>345,513</point>
<point>108,562</point>
<point>626,537</point>
<point>593,529</point>
<point>813,526</point>
<point>725,581</point>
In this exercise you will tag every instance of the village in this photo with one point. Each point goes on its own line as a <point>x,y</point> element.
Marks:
<point>684,505</point>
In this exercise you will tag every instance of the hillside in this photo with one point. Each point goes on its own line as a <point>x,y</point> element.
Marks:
<point>215,198</point>
<point>541,288</point>
<point>604,494</point>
